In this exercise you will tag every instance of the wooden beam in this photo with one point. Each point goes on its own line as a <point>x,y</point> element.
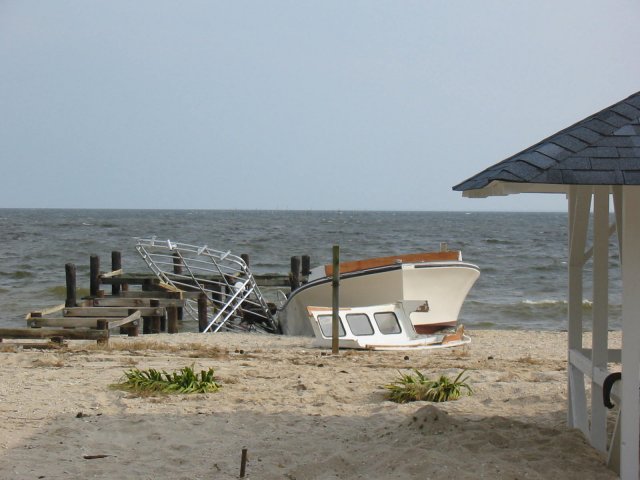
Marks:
<point>73,334</point>
<point>134,317</point>
<point>104,312</point>
<point>46,311</point>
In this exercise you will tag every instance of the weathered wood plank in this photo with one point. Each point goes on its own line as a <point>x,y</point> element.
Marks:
<point>133,302</point>
<point>46,311</point>
<point>63,322</point>
<point>131,318</point>
<point>73,334</point>
<point>104,312</point>
<point>111,274</point>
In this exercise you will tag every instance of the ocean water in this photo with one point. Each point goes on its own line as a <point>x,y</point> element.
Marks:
<point>522,256</point>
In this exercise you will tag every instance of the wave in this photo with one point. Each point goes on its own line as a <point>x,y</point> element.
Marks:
<point>17,275</point>
<point>544,314</point>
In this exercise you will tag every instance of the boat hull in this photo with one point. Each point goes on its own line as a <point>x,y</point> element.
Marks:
<point>431,294</point>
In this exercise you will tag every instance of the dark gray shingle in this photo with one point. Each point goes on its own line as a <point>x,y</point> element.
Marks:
<point>603,149</point>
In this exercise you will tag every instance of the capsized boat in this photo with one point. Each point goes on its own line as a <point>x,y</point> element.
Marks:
<point>427,288</point>
<point>378,327</point>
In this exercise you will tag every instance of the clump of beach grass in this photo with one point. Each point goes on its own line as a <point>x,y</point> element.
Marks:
<point>184,380</point>
<point>417,387</point>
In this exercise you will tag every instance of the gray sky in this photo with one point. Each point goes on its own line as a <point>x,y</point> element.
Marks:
<point>295,104</point>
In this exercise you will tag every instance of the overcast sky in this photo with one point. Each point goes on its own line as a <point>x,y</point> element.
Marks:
<point>353,105</point>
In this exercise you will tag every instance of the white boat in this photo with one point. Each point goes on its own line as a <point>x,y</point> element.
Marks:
<point>428,289</point>
<point>377,327</point>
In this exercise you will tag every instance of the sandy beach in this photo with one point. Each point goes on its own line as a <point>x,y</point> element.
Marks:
<point>300,412</point>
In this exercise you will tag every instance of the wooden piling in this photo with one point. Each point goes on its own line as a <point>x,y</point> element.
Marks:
<point>177,263</point>
<point>172,319</point>
<point>335,331</point>
<point>134,328</point>
<point>116,264</point>
<point>70,274</point>
<point>203,320</point>
<point>245,258</point>
<point>103,325</point>
<point>94,275</point>
<point>306,268</point>
<point>243,462</point>
<point>154,320</point>
<point>294,275</point>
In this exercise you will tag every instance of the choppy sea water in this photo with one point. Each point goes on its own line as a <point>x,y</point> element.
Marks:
<point>522,256</point>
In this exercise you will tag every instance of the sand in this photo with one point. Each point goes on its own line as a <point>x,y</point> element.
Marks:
<point>300,412</point>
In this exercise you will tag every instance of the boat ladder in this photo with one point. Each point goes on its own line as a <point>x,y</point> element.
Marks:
<point>230,288</point>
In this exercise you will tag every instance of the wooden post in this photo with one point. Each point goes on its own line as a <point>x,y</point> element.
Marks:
<point>177,263</point>
<point>202,312</point>
<point>134,328</point>
<point>70,274</point>
<point>172,314</point>
<point>335,331</point>
<point>147,285</point>
<point>102,325</point>
<point>116,264</point>
<point>154,320</point>
<point>306,268</point>
<point>245,258</point>
<point>294,275</point>
<point>243,462</point>
<point>94,275</point>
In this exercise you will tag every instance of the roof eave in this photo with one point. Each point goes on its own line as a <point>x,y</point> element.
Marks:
<point>501,188</point>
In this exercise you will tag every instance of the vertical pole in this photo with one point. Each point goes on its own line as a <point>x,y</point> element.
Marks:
<point>202,312</point>
<point>630,410</point>
<point>306,268</point>
<point>94,275</point>
<point>335,331</point>
<point>245,258</point>
<point>172,319</point>
<point>70,274</point>
<point>600,332</point>
<point>134,328</point>
<point>116,264</point>
<point>103,325</point>
<point>579,206</point>
<point>177,263</point>
<point>154,321</point>
<point>243,462</point>
<point>294,276</point>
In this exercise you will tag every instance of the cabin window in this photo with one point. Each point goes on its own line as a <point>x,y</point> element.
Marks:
<point>359,324</point>
<point>325,322</point>
<point>387,322</point>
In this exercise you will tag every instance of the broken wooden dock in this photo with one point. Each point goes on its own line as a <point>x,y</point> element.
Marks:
<point>136,304</point>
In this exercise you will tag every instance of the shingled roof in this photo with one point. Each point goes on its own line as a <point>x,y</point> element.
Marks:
<point>603,149</point>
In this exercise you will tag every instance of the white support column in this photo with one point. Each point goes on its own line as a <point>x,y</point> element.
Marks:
<point>617,205</point>
<point>599,357</point>
<point>579,206</point>
<point>630,411</point>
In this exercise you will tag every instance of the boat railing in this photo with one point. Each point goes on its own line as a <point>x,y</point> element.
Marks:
<point>225,279</point>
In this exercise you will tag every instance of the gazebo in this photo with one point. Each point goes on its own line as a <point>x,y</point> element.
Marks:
<point>593,162</point>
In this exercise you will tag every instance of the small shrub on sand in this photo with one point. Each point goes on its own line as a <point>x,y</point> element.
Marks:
<point>412,388</point>
<point>184,380</point>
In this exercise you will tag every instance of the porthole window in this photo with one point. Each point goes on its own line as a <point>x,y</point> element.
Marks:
<point>325,322</point>
<point>359,324</point>
<point>387,322</point>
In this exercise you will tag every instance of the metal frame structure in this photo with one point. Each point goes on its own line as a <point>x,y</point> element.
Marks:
<point>225,280</point>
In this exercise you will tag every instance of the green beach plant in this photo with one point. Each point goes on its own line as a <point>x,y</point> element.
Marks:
<point>184,380</point>
<point>412,388</point>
